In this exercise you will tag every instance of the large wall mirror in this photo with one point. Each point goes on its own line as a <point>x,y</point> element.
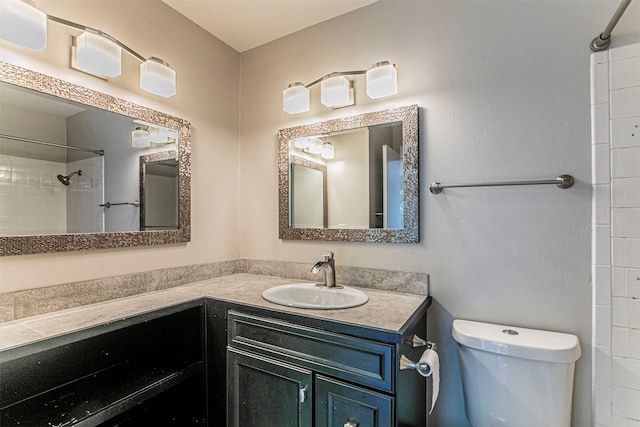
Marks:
<point>83,170</point>
<point>351,179</point>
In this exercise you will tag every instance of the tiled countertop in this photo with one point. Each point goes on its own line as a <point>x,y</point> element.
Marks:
<point>385,310</point>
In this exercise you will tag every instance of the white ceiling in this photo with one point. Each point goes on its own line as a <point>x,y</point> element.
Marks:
<point>245,24</point>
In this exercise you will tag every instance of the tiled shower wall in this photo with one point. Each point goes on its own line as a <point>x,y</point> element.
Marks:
<point>32,200</point>
<point>84,196</point>
<point>615,110</point>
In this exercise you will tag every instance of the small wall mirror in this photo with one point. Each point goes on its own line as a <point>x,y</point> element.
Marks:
<point>352,179</point>
<point>83,170</point>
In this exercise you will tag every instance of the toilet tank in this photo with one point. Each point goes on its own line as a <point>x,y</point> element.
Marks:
<point>516,377</point>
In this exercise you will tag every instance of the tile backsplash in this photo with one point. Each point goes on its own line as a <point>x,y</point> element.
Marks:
<point>32,302</point>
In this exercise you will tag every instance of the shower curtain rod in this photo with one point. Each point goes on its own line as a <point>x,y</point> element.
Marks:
<point>51,144</point>
<point>603,41</point>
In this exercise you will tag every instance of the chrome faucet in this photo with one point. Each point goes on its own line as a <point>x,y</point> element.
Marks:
<point>329,267</point>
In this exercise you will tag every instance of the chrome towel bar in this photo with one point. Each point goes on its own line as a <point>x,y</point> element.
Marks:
<point>109,204</point>
<point>562,181</point>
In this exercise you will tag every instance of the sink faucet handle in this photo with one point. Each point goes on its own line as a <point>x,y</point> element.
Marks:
<point>327,255</point>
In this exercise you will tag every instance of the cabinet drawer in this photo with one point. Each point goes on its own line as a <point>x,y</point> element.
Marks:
<point>354,359</point>
<point>338,404</point>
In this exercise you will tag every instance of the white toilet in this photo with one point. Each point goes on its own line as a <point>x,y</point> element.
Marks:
<point>516,377</point>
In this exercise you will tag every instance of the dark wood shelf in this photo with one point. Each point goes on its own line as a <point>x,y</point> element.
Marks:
<point>97,398</point>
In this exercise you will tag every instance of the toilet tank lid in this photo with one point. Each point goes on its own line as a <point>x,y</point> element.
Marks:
<point>525,343</point>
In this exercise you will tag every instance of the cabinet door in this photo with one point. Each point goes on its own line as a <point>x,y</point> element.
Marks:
<point>343,405</point>
<point>265,392</point>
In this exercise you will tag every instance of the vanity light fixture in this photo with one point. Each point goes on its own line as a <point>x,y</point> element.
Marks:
<point>96,54</point>
<point>328,151</point>
<point>295,98</point>
<point>23,24</point>
<point>157,77</point>
<point>336,90</point>
<point>315,146</point>
<point>93,51</point>
<point>301,143</point>
<point>140,138</point>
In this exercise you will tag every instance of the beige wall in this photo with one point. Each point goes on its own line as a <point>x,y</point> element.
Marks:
<point>503,90</point>
<point>504,94</point>
<point>208,87</point>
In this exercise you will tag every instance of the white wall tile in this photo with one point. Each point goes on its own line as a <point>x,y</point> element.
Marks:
<point>602,285</point>
<point>602,405</point>
<point>599,83</point>
<point>626,373</point>
<point>625,192</point>
<point>622,52</point>
<point>601,204</point>
<point>624,422</point>
<point>600,123</point>
<point>599,57</point>
<point>625,402</point>
<point>601,245</point>
<point>633,283</point>
<point>602,321</point>
<point>625,102</point>
<point>625,252</point>
<point>625,132</point>
<point>602,365</point>
<point>626,313</point>
<point>625,162</point>
<point>619,282</point>
<point>624,73</point>
<point>600,168</point>
<point>626,222</point>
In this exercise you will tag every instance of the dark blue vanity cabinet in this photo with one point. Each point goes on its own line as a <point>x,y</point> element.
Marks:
<point>285,373</point>
<point>145,370</point>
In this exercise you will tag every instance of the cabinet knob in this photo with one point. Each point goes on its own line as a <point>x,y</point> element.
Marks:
<point>351,423</point>
<point>302,394</point>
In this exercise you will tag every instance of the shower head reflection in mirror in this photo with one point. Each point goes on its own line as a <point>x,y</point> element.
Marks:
<point>65,179</point>
<point>99,150</point>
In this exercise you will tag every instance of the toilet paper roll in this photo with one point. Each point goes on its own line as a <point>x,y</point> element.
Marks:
<point>429,366</point>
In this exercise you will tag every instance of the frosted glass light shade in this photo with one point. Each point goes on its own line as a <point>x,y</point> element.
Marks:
<point>301,142</point>
<point>315,146</point>
<point>158,78</point>
<point>159,136</point>
<point>23,24</point>
<point>382,80</point>
<point>97,55</point>
<point>140,138</point>
<point>295,99</point>
<point>334,91</point>
<point>328,151</point>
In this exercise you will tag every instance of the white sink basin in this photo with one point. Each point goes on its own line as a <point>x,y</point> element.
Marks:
<point>308,295</point>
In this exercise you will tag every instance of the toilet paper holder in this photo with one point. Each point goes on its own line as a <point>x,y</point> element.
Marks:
<point>406,363</point>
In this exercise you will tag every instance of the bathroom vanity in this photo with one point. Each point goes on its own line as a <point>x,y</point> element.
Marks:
<point>214,353</point>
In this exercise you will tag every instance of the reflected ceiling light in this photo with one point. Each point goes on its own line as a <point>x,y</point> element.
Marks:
<point>140,138</point>
<point>22,24</point>
<point>159,136</point>
<point>295,99</point>
<point>96,54</point>
<point>315,146</point>
<point>337,91</point>
<point>301,142</point>
<point>334,91</point>
<point>328,151</point>
<point>157,77</point>
<point>382,80</point>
